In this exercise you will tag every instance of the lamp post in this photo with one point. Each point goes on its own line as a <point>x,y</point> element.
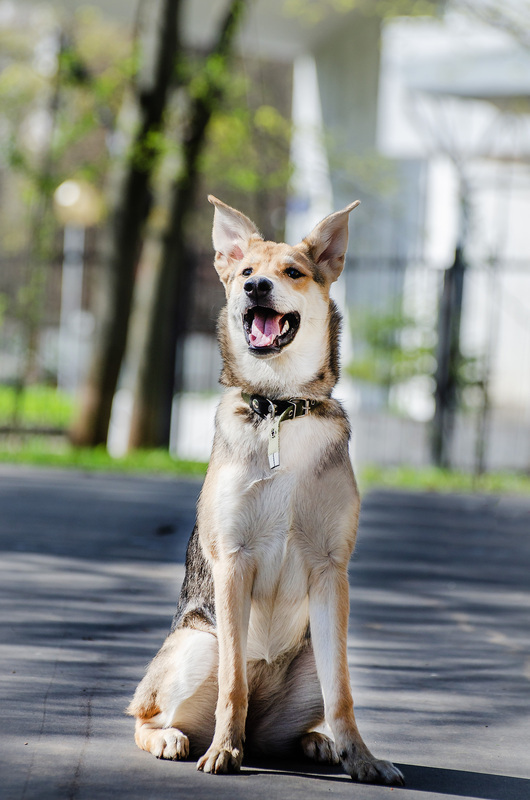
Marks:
<point>77,206</point>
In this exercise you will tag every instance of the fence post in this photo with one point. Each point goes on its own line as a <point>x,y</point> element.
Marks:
<point>448,361</point>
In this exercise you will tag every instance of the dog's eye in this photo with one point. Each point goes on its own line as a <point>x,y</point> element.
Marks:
<point>246,272</point>
<point>293,273</point>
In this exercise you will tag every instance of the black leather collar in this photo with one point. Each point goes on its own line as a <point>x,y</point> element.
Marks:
<point>264,407</point>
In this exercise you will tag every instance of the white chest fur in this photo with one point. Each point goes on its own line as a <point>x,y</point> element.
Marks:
<point>255,512</point>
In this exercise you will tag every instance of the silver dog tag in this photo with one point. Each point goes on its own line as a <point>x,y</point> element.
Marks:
<point>274,444</point>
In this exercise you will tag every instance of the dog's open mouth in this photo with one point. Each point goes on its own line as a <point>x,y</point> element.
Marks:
<point>266,331</point>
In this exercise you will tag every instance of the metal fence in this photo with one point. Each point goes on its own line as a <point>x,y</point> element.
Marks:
<point>393,421</point>
<point>387,384</point>
<point>389,348</point>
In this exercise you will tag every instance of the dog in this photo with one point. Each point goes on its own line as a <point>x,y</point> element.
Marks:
<point>257,651</point>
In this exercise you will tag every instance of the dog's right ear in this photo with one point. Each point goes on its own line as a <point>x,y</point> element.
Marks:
<point>232,233</point>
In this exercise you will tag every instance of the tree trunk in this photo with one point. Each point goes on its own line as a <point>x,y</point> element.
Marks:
<point>125,239</point>
<point>169,317</point>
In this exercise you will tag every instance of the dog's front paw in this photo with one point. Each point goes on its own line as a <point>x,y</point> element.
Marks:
<point>221,759</point>
<point>367,769</point>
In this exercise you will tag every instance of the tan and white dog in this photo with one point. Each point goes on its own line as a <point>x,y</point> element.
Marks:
<point>258,647</point>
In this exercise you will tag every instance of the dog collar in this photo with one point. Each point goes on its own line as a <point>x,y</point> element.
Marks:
<point>278,411</point>
<point>263,407</point>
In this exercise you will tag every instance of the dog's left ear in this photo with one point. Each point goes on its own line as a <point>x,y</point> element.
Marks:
<point>326,244</point>
<point>232,233</point>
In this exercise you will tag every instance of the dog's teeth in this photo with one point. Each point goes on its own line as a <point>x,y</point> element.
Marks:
<point>285,327</point>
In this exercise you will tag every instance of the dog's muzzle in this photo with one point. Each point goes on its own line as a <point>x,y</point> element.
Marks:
<point>268,331</point>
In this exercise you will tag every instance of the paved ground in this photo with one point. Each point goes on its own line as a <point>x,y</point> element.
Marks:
<point>440,652</point>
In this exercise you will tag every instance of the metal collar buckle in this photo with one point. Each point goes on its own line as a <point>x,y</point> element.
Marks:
<point>294,409</point>
<point>272,408</point>
<point>306,406</point>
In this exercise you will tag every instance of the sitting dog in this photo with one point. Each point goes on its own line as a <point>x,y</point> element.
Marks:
<point>258,647</point>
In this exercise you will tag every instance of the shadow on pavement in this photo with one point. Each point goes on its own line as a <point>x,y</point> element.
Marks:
<point>449,782</point>
<point>459,783</point>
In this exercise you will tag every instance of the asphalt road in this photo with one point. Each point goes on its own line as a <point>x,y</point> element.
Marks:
<point>90,567</point>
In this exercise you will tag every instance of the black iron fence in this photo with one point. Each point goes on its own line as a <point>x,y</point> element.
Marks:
<point>440,361</point>
<point>394,322</point>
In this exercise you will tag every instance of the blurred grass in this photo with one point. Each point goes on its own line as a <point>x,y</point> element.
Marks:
<point>42,406</point>
<point>45,451</point>
<point>47,407</point>
<point>432,479</point>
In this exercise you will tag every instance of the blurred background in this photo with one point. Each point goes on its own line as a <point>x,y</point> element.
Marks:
<point>119,117</point>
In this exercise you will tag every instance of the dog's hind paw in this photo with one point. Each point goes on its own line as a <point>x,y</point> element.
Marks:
<point>220,759</point>
<point>319,748</point>
<point>168,743</point>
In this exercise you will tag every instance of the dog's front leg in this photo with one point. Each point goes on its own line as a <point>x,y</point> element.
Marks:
<point>232,576</point>
<point>329,611</point>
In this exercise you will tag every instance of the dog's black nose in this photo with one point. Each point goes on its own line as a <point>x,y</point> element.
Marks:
<point>258,288</point>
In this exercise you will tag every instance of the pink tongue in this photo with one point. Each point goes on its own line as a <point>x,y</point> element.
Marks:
<point>265,329</point>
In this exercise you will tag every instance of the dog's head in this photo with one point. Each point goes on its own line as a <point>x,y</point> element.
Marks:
<point>278,306</point>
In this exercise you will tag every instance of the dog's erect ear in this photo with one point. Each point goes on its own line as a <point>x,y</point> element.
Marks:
<point>327,242</point>
<point>231,235</point>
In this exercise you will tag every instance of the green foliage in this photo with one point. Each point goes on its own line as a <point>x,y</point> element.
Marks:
<point>210,74</point>
<point>29,298</point>
<point>147,152</point>
<point>248,149</point>
<point>19,86</point>
<point>77,100</point>
<point>393,348</point>
<point>61,88</point>
<point>42,406</point>
<point>370,172</point>
<point>247,145</point>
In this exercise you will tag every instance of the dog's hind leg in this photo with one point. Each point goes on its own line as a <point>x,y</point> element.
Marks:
<point>175,702</point>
